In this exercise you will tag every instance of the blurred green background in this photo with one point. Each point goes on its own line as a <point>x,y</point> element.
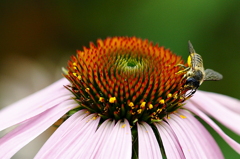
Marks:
<point>38,37</point>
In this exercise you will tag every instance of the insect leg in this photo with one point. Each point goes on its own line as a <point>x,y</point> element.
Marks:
<point>181,65</point>
<point>191,92</point>
<point>184,70</point>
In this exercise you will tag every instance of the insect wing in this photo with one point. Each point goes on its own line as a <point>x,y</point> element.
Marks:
<point>211,75</point>
<point>194,60</point>
<point>191,57</point>
<point>190,47</point>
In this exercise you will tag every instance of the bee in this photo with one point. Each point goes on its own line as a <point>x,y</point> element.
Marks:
<point>195,73</point>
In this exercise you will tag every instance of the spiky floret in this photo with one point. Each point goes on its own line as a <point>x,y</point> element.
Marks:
<point>126,77</point>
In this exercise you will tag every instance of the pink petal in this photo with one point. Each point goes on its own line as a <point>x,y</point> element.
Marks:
<point>223,114</point>
<point>229,102</point>
<point>87,131</point>
<point>19,137</point>
<point>34,104</point>
<point>170,142</point>
<point>205,141</point>
<point>195,140</point>
<point>119,144</point>
<point>199,113</point>
<point>94,144</point>
<point>184,139</point>
<point>147,142</point>
<point>65,139</point>
<point>61,133</point>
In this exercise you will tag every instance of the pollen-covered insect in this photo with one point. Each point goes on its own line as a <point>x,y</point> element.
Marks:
<point>195,73</point>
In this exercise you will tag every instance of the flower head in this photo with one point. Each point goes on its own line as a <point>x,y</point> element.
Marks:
<point>126,78</point>
<point>124,99</point>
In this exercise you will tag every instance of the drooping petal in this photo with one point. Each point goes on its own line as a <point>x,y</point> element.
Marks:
<point>230,141</point>
<point>204,139</point>
<point>184,139</point>
<point>60,134</point>
<point>223,114</point>
<point>119,144</point>
<point>34,104</point>
<point>170,142</point>
<point>94,144</point>
<point>229,102</point>
<point>147,142</point>
<point>77,129</point>
<point>84,134</point>
<point>195,140</point>
<point>31,128</point>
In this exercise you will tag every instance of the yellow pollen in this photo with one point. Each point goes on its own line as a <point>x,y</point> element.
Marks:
<point>124,125</point>
<point>112,99</point>
<point>159,110</point>
<point>143,104</point>
<point>74,64</point>
<point>131,104</point>
<point>75,74</point>
<point>74,67</point>
<point>94,118</point>
<point>79,77</point>
<point>101,99</point>
<point>87,89</point>
<point>150,106</point>
<point>162,101</point>
<point>169,95</point>
<point>175,96</point>
<point>139,111</point>
<point>168,117</point>
<point>182,116</point>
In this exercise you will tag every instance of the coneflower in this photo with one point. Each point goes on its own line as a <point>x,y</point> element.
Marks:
<point>122,99</point>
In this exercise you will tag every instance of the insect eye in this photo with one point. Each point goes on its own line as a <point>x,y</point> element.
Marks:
<point>192,82</point>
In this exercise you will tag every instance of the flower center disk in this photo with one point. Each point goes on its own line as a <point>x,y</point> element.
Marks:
<point>126,78</point>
